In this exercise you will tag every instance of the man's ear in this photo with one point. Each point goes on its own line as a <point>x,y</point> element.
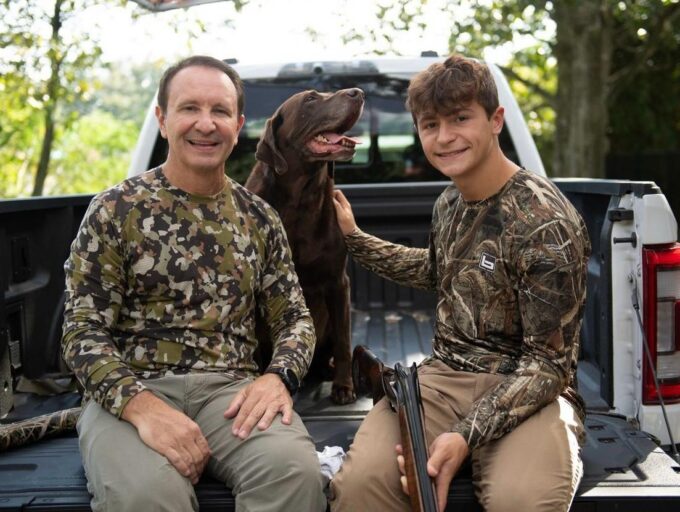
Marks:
<point>161,122</point>
<point>241,122</point>
<point>497,120</point>
<point>267,151</point>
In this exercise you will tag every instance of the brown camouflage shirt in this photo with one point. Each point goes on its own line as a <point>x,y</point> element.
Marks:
<point>162,282</point>
<point>510,275</point>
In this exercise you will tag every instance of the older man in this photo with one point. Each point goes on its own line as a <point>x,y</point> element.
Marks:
<point>163,284</point>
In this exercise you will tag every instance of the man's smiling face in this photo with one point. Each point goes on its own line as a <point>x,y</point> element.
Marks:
<point>202,121</point>
<point>460,143</point>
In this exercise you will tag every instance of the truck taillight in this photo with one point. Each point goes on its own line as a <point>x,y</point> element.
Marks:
<point>661,267</point>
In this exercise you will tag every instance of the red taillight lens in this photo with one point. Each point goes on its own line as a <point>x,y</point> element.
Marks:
<point>662,322</point>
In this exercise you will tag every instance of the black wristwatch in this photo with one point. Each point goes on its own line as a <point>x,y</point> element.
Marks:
<point>288,378</point>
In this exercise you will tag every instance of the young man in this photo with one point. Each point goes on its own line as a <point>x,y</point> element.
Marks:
<point>163,282</point>
<point>507,258</point>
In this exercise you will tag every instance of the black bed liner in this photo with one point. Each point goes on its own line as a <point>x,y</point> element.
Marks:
<point>620,461</point>
<point>624,468</point>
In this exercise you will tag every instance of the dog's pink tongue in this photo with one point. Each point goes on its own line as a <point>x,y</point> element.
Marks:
<point>335,138</point>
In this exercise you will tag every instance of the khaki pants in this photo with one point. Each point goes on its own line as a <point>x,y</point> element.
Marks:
<point>273,470</point>
<point>534,467</point>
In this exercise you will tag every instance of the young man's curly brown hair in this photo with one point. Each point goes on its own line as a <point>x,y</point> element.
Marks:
<point>445,87</point>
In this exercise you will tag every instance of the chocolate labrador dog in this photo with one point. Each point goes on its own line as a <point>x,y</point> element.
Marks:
<point>294,174</point>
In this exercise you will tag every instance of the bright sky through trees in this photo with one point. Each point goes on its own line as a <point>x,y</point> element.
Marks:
<point>264,31</point>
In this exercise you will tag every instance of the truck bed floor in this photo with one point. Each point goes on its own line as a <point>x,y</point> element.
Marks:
<point>620,461</point>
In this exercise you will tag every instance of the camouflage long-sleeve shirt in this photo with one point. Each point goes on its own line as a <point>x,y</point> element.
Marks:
<point>510,275</point>
<point>161,282</point>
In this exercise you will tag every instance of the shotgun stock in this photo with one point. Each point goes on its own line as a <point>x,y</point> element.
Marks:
<point>367,372</point>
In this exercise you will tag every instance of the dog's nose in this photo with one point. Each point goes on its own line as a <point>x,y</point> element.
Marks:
<point>354,92</point>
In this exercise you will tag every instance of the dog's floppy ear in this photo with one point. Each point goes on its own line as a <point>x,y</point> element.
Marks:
<point>267,151</point>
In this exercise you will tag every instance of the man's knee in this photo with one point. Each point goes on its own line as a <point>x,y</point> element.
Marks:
<point>368,484</point>
<point>513,496</point>
<point>353,483</point>
<point>533,492</point>
<point>162,490</point>
<point>284,477</point>
<point>293,459</point>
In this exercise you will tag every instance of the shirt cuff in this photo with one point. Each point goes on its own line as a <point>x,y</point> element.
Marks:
<point>120,393</point>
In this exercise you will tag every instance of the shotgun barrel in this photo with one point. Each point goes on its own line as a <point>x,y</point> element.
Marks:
<point>409,408</point>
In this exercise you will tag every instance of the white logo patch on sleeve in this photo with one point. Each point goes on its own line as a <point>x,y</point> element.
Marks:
<point>487,262</point>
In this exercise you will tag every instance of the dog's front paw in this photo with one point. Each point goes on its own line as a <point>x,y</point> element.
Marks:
<point>343,394</point>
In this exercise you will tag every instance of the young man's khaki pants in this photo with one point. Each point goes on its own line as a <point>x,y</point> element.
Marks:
<point>272,470</point>
<point>536,467</point>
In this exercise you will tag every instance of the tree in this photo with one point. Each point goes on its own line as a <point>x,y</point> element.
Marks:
<point>645,111</point>
<point>50,59</point>
<point>564,60</point>
<point>18,122</point>
<point>586,36</point>
<point>125,90</point>
<point>94,154</point>
<point>51,62</point>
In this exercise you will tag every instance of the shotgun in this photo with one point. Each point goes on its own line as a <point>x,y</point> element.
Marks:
<point>409,408</point>
<point>400,385</point>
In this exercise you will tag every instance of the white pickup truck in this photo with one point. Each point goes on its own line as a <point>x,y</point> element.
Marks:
<point>645,256</point>
<point>635,267</point>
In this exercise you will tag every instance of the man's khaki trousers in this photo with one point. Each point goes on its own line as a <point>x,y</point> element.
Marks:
<point>535,467</point>
<point>272,470</point>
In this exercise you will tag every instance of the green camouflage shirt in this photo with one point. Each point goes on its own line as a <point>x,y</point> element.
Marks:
<point>162,282</point>
<point>510,275</point>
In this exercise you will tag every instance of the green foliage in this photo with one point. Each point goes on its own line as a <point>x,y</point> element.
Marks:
<point>644,85</point>
<point>645,108</point>
<point>40,38</point>
<point>20,120</point>
<point>92,155</point>
<point>51,72</point>
<point>533,79</point>
<point>126,91</point>
<point>92,150</point>
<point>45,61</point>
<point>479,25</point>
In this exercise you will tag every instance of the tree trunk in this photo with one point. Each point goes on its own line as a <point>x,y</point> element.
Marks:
<point>51,102</point>
<point>45,152</point>
<point>583,50</point>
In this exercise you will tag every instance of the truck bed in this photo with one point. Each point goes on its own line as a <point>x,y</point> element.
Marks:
<point>624,469</point>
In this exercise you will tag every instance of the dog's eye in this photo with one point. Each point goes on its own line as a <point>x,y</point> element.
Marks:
<point>310,98</point>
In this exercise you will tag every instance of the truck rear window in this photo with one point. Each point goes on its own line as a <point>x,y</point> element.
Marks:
<point>390,151</point>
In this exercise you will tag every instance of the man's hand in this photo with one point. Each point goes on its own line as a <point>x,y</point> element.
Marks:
<point>170,433</point>
<point>258,404</point>
<point>343,212</point>
<point>447,453</point>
